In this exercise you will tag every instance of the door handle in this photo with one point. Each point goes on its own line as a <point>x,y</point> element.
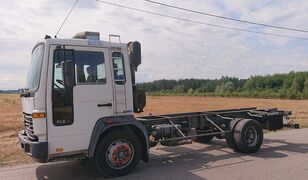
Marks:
<point>105,105</point>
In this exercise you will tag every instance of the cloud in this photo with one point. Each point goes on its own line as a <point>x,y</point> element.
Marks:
<point>170,48</point>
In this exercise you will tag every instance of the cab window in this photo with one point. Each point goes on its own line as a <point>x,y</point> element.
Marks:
<point>90,67</point>
<point>62,98</point>
<point>118,68</point>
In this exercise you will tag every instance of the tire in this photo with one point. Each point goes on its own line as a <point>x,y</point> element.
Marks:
<point>230,136</point>
<point>117,153</point>
<point>248,136</point>
<point>205,139</point>
<point>230,141</point>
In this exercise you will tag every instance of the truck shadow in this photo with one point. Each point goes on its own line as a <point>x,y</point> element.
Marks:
<point>178,162</point>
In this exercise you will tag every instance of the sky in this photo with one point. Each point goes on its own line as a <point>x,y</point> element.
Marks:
<point>171,49</point>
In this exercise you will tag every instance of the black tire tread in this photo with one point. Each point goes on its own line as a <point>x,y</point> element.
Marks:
<point>230,136</point>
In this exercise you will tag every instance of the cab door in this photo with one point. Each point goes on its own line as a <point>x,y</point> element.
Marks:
<point>76,110</point>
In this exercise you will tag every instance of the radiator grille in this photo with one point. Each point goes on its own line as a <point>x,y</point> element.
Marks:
<point>29,127</point>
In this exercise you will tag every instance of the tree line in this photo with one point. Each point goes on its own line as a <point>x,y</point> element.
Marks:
<point>293,85</point>
<point>15,91</point>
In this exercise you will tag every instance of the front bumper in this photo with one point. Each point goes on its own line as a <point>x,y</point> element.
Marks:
<point>37,150</point>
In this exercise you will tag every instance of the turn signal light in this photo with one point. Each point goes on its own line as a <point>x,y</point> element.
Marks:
<point>38,115</point>
<point>59,149</point>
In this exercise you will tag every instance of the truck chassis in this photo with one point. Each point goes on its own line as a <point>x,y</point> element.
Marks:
<point>123,147</point>
<point>203,126</point>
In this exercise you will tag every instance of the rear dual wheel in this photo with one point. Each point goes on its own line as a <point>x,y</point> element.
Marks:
<point>246,136</point>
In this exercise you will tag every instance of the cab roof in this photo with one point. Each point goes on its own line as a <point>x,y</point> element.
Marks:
<point>85,42</point>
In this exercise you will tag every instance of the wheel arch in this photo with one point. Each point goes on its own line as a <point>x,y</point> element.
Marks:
<point>101,129</point>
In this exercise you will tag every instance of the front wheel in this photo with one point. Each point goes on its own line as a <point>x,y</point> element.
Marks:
<point>118,153</point>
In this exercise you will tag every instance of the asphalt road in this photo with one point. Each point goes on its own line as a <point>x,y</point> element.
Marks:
<point>284,155</point>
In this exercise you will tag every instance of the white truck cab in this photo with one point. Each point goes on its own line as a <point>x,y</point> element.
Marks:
<point>71,85</point>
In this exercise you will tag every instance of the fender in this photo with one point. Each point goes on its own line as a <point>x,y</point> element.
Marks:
<point>125,121</point>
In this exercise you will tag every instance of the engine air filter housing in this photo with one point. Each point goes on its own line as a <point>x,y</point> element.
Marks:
<point>87,35</point>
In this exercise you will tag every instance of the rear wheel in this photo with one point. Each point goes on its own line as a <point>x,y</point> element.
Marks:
<point>118,153</point>
<point>229,136</point>
<point>230,141</point>
<point>248,136</point>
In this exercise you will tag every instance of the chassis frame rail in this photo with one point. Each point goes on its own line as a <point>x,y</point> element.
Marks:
<point>215,123</point>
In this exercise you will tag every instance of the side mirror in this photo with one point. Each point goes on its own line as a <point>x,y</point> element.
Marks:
<point>139,99</point>
<point>68,74</point>
<point>134,54</point>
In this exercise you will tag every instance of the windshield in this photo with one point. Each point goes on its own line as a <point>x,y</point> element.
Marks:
<point>34,73</point>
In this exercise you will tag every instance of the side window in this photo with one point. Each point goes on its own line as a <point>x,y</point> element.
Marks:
<point>118,68</point>
<point>58,76</point>
<point>62,99</point>
<point>90,67</point>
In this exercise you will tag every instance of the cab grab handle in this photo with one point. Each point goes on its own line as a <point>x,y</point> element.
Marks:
<point>105,105</point>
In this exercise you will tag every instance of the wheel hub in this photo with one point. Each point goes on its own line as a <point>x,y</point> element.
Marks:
<point>251,136</point>
<point>119,154</point>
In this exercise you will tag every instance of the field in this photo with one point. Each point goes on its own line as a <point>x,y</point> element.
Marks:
<point>169,104</point>
<point>10,124</point>
<point>11,116</point>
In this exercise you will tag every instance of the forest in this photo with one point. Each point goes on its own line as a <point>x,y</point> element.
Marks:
<point>13,91</point>
<point>293,85</point>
